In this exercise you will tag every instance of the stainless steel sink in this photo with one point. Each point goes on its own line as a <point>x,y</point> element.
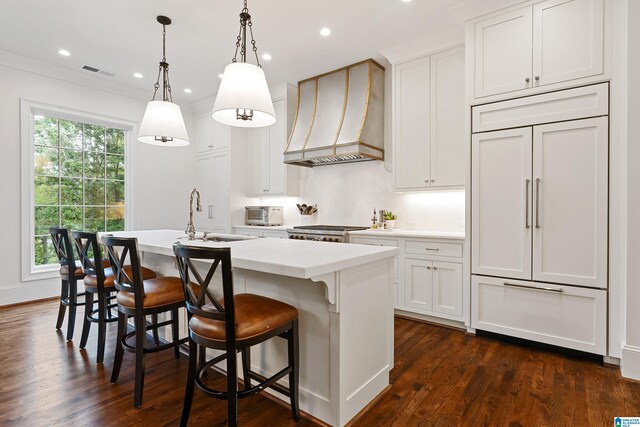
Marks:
<point>217,238</point>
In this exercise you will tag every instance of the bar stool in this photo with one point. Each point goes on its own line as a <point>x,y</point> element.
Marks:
<point>139,298</point>
<point>98,280</point>
<point>70,273</point>
<point>232,324</point>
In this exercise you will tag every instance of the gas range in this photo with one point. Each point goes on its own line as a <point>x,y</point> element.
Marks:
<point>322,233</point>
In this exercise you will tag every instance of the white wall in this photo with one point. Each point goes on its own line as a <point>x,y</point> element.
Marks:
<point>154,168</point>
<point>631,347</point>
<point>346,194</point>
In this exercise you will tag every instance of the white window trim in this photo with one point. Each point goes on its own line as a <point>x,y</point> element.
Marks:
<point>28,109</point>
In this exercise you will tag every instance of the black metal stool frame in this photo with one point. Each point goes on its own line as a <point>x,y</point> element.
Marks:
<point>69,283</point>
<point>198,368</point>
<point>91,258</point>
<point>124,283</point>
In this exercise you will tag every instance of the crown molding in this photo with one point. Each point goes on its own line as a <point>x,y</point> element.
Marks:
<point>30,65</point>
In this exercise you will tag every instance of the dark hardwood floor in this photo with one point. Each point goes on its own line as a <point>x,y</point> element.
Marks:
<point>442,377</point>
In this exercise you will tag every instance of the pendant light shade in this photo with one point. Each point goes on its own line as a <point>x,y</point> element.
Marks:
<point>162,123</point>
<point>244,88</point>
<point>243,98</point>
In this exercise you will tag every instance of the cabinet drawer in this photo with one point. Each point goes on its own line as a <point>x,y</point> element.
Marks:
<point>571,104</point>
<point>373,241</point>
<point>249,232</point>
<point>275,234</point>
<point>559,315</point>
<point>418,247</point>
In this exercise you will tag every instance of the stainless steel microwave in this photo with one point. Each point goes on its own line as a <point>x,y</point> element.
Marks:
<point>263,215</point>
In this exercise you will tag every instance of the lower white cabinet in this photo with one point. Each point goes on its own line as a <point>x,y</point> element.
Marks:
<point>261,232</point>
<point>428,275</point>
<point>433,287</point>
<point>561,315</point>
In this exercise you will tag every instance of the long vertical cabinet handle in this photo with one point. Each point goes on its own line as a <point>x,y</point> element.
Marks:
<point>537,202</point>
<point>210,211</point>
<point>526,203</point>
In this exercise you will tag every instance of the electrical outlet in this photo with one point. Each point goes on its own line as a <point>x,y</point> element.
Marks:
<point>410,225</point>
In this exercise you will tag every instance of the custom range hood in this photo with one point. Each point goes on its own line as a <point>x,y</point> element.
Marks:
<point>340,117</point>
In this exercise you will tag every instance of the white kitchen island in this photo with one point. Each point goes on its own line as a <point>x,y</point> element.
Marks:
<point>344,295</point>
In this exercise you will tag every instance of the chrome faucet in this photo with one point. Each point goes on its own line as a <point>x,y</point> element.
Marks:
<point>191,229</point>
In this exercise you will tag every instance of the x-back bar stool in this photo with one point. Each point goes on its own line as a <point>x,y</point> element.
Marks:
<point>232,324</point>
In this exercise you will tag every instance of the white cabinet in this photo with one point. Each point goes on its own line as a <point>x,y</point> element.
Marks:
<point>279,233</point>
<point>566,316</point>
<point>503,53</point>
<point>212,174</point>
<point>548,43</point>
<point>539,203</point>
<point>501,165</point>
<point>433,287</point>
<point>209,134</point>
<point>268,175</point>
<point>428,275</point>
<point>428,113</point>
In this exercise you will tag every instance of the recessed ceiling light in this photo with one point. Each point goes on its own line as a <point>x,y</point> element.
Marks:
<point>138,76</point>
<point>325,32</point>
<point>266,57</point>
<point>220,75</point>
<point>64,52</point>
<point>406,1</point>
<point>187,90</point>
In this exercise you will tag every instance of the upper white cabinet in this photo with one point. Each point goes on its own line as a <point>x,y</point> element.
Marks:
<point>268,175</point>
<point>428,117</point>
<point>212,180</point>
<point>543,45</point>
<point>210,135</point>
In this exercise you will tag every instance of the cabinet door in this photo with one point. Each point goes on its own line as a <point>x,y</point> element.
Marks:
<point>501,203</point>
<point>204,183</point>
<point>570,212</point>
<point>418,284</point>
<point>220,210</point>
<point>258,161</point>
<point>568,40</point>
<point>221,134</point>
<point>447,288</point>
<point>412,125</point>
<point>503,53</point>
<point>204,133</point>
<point>447,116</point>
<point>277,141</point>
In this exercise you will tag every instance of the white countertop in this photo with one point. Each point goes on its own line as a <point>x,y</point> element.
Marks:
<point>295,258</point>
<point>457,235</point>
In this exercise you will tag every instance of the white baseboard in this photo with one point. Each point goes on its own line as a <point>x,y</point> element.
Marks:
<point>30,291</point>
<point>630,362</point>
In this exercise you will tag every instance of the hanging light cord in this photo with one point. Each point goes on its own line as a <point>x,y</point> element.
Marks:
<point>164,70</point>
<point>241,41</point>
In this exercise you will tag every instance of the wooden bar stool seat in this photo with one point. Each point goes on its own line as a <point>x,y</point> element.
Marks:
<point>255,315</point>
<point>139,298</point>
<point>233,323</point>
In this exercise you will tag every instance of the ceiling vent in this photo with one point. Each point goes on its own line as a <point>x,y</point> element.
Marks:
<point>99,71</point>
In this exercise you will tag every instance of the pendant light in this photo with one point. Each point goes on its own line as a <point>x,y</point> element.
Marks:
<point>243,98</point>
<point>162,123</point>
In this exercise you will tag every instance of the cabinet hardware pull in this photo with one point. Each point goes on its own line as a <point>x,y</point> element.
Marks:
<point>513,285</point>
<point>537,78</point>
<point>265,190</point>
<point>435,268</point>
<point>426,181</point>
<point>537,202</point>
<point>433,180</point>
<point>428,267</point>
<point>210,211</point>
<point>210,146</point>
<point>432,249</point>
<point>527,79</point>
<point>526,198</point>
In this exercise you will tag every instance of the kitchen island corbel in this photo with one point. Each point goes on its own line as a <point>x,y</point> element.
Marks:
<point>344,295</point>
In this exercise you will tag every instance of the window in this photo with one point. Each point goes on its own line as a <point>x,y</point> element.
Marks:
<point>78,180</point>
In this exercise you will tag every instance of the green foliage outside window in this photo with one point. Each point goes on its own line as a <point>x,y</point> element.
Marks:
<point>78,180</point>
